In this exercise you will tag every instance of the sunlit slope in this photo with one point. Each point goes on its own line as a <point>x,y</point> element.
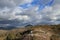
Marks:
<point>38,32</point>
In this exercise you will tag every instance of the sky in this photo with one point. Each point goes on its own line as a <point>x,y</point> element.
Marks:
<point>22,12</point>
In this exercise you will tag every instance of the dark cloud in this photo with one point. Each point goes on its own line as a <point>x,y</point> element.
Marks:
<point>13,15</point>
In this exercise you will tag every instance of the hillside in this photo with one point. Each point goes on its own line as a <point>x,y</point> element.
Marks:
<point>38,32</point>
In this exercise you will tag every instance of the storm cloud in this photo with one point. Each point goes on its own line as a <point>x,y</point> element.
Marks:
<point>12,14</point>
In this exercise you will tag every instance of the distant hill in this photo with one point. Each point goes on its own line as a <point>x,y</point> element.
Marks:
<point>7,28</point>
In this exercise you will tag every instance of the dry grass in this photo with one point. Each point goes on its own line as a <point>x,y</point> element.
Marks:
<point>41,30</point>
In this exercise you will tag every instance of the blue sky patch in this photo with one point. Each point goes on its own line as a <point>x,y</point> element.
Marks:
<point>40,3</point>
